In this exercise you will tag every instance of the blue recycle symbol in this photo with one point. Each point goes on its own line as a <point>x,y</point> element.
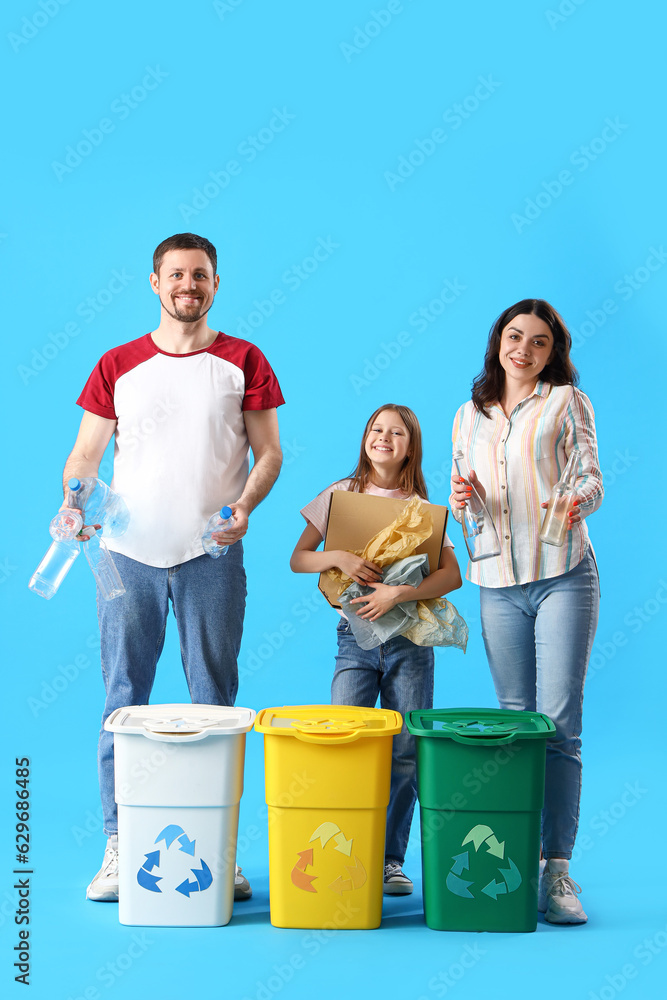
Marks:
<point>511,876</point>
<point>171,833</point>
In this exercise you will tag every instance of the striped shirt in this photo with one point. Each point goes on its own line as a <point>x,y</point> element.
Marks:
<point>518,461</point>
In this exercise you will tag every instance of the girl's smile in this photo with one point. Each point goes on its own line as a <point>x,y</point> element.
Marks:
<point>387,443</point>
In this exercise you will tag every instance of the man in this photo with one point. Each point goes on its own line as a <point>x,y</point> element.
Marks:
<point>184,403</point>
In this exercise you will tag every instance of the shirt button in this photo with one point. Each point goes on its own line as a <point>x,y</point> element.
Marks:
<point>501,462</point>
<point>504,512</point>
<point>502,487</point>
<point>507,536</point>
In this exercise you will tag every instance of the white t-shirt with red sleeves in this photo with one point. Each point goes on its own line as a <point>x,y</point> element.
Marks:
<point>181,448</point>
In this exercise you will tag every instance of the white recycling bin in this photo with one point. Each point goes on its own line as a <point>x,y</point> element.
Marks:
<point>179,781</point>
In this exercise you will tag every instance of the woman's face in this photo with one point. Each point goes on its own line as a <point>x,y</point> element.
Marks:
<point>526,347</point>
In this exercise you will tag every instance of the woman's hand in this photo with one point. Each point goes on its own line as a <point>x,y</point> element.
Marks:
<point>361,571</point>
<point>573,516</point>
<point>461,489</point>
<point>383,599</point>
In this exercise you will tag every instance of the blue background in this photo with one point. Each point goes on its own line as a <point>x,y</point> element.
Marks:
<point>483,208</point>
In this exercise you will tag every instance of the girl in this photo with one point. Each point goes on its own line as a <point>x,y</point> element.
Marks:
<point>398,670</point>
<point>539,603</point>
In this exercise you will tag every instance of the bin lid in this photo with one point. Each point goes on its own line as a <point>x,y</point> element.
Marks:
<point>172,723</point>
<point>480,726</point>
<point>328,724</point>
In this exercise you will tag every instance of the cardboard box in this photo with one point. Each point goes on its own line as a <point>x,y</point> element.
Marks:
<point>354,518</point>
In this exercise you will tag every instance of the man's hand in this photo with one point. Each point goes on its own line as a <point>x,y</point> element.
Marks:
<point>231,534</point>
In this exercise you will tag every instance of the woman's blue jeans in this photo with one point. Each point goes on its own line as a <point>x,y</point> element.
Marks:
<point>208,598</point>
<point>538,639</point>
<point>402,674</point>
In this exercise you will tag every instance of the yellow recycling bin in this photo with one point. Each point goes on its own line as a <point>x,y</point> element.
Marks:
<point>328,771</point>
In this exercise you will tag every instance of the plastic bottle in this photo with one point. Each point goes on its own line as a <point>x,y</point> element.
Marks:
<point>60,556</point>
<point>479,531</point>
<point>67,523</point>
<point>554,525</point>
<point>100,505</point>
<point>219,522</point>
<point>103,567</point>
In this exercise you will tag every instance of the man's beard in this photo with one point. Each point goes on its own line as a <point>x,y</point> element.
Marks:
<point>185,317</point>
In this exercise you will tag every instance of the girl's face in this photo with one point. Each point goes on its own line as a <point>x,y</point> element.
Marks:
<point>387,443</point>
<point>526,347</point>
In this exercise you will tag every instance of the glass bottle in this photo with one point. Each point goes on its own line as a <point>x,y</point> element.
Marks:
<point>479,531</point>
<point>554,525</point>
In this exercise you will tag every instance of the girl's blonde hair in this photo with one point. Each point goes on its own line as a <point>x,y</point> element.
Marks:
<point>411,477</point>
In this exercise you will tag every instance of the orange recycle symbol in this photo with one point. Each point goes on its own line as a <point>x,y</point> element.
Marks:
<point>329,833</point>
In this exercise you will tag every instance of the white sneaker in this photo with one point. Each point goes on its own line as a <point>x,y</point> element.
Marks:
<point>104,887</point>
<point>242,888</point>
<point>395,882</point>
<point>558,894</point>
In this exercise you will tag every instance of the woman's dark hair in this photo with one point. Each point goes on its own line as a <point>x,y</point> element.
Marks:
<point>184,241</point>
<point>411,477</point>
<point>488,387</point>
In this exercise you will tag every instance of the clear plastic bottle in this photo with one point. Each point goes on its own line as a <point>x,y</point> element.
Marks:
<point>53,568</point>
<point>479,531</point>
<point>104,568</point>
<point>60,556</point>
<point>220,521</point>
<point>68,523</point>
<point>554,525</point>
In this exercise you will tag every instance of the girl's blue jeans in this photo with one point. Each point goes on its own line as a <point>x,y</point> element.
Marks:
<point>402,675</point>
<point>538,639</point>
<point>208,598</point>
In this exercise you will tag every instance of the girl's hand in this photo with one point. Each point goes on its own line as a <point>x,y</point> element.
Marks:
<point>383,599</point>
<point>461,489</point>
<point>573,516</point>
<point>361,571</point>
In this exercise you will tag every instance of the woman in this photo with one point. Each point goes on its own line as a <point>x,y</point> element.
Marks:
<point>539,603</point>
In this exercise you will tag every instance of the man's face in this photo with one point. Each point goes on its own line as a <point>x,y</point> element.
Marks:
<point>186,284</point>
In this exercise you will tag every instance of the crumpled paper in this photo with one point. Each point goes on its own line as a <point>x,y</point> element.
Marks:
<point>435,622</point>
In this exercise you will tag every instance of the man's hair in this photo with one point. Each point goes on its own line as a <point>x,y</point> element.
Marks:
<point>184,241</point>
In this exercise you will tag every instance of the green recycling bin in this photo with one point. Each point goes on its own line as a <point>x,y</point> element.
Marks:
<point>480,779</point>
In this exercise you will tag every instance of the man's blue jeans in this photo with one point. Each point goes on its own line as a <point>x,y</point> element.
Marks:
<point>208,598</point>
<point>402,674</point>
<point>538,639</point>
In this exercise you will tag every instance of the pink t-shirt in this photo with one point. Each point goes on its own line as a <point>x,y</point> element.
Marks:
<point>317,511</point>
